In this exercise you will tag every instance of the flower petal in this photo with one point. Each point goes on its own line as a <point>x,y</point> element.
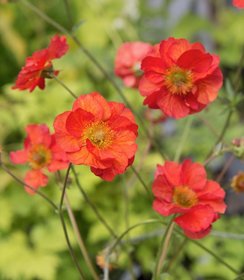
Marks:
<point>35,179</point>
<point>198,218</point>
<point>19,157</point>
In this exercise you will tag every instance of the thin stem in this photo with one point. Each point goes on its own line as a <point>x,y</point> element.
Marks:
<point>163,249</point>
<point>69,14</point>
<point>61,216</point>
<point>49,201</point>
<point>176,255</point>
<point>236,88</point>
<point>215,256</point>
<point>221,135</point>
<point>65,87</point>
<point>69,245</point>
<point>141,180</point>
<point>64,187</point>
<point>91,204</point>
<point>183,139</point>
<point>75,227</point>
<point>97,64</point>
<point>118,240</point>
<point>80,239</point>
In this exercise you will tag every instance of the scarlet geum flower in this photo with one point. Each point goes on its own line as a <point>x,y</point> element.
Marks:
<point>99,134</point>
<point>183,190</point>
<point>128,61</point>
<point>180,78</point>
<point>39,66</point>
<point>237,182</point>
<point>238,3</point>
<point>40,152</point>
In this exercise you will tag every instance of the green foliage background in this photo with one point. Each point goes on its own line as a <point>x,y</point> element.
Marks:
<point>32,245</point>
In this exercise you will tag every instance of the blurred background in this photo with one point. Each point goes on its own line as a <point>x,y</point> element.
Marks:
<point>32,245</point>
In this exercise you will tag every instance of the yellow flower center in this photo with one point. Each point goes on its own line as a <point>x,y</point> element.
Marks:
<point>238,182</point>
<point>185,197</point>
<point>178,81</point>
<point>100,134</point>
<point>39,156</point>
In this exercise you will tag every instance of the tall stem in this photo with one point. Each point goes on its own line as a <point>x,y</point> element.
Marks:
<point>183,139</point>
<point>163,249</point>
<point>91,204</point>
<point>61,216</point>
<point>77,233</point>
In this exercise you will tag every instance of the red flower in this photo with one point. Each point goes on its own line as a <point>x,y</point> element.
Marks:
<point>39,66</point>
<point>128,61</point>
<point>183,189</point>
<point>40,152</point>
<point>238,3</point>
<point>99,134</point>
<point>180,78</point>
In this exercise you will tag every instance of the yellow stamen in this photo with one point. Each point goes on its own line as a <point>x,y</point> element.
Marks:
<point>39,156</point>
<point>100,134</point>
<point>185,197</point>
<point>178,81</point>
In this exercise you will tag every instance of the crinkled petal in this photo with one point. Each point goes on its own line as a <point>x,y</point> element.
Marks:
<point>57,47</point>
<point>173,105</point>
<point>65,140</point>
<point>197,219</point>
<point>193,175</point>
<point>95,104</point>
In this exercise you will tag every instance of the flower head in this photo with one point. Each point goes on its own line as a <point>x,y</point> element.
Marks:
<point>237,182</point>
<point>39,66</point>
<point>238,3</point>
<point>40,152</point>
<point>183,189</point>
<point>128,61</point>
<point>99,134</point>
<point>179,78</point>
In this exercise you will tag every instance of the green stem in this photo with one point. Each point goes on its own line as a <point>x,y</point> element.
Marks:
<point>69,14</point>
<point>215,256</point>
<point>75,227</point>
<point>118,240</point>
<point>71,251</point>
<point>64,187</point>
<point>141,181</point>
<point>163,249</point>
<point>91,204</point>
<point>49,201</point>
<point>65,87</point>
<point>183,139</point>
<point>176,255</point>
<point>61,216</point>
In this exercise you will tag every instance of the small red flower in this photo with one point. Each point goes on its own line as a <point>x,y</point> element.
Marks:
<point>128,61</point>
<point>39,66</point>
<point>238,3</point>
<point>40,152</point>
<point>183,189</point>
<point>180,78</point>
<point>99,134</point>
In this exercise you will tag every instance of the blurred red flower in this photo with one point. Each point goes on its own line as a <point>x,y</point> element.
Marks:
<point>183,189</point>
<point>40,152</point>
<point>180,78</point>
<point>238,3</point>
<point>99,134</point>
<point>128,62</point>
<point>39,66</point>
